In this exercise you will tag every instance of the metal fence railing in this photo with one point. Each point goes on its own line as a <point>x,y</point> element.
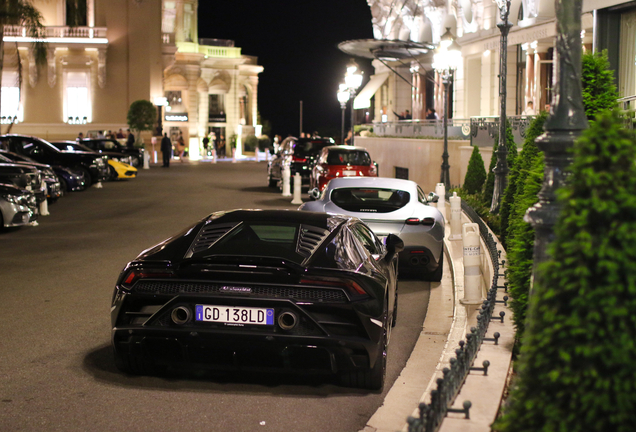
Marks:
<point>432,414</point>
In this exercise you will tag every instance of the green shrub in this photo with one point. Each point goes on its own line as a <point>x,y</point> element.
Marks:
<point>516,179</point>
<point>576,371</point>
<point>489,186</point>
<point>599,91</point>
<point>250,143</point>
<point>264,142</point>
<point>475,173</point>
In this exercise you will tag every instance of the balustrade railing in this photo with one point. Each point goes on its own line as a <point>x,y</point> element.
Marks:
<point>457,129</point>
<point>58,32</point>
<point>432,414</point>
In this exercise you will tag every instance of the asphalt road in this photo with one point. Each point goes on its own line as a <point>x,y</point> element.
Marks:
<point>56,282</point>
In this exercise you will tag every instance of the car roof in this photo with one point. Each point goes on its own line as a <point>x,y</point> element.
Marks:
<point>345,147</point>
<point>375,182</point>
<point>318,219</point>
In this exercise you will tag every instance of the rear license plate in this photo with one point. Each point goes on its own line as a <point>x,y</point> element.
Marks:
<point>234,315</point>
<point>349,172</point>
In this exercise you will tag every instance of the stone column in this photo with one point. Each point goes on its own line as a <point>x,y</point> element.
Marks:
<point>192,72</point>
<point>529,84</point>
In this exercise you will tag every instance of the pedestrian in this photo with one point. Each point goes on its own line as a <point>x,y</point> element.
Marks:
<point>529,111</point>
<point>206,143</point>
<point>181,146</point>
<point>130,140</point>
<point>120,134</point>
<point>408,115</point>
<point>347,140</point>
<point>80,136</point>
<point>166,150</point>
<point>430,114</point>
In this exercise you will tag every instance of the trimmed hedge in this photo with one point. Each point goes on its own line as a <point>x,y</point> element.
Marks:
<point>475,173</point>
<point>599,91</point>
<point>576,371</point>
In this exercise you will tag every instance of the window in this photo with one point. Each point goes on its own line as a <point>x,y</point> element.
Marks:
<point>76,13</point>
<point>77,98</point>
<point>216,108</point>
<point>370,200</point>
<point>367,239</point>
<point>10,98</point>
<point>169,16</point>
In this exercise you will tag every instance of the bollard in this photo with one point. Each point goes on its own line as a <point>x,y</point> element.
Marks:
<point>472,261</point>
<point>155,152</point>
<point>146,160</point>
<point>44,205</point>
<point>440,190</point>
<point>234,155</point>
<point>456,217</point>
<point>213,156</point>
<point>286,176</point>
<point>98,185</point>
<point>258,156</point>
<point>298,181</point>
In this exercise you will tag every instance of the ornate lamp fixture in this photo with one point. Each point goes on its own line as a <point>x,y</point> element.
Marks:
<point>343,98</point>
<point>353,80</point>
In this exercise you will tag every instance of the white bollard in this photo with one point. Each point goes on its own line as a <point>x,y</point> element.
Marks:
<point>472,261</point>
<point>234,155</point>
<point>98,185</point>
<point>146,160</point>
<point>298,182</point>
<point>440,190</point>
<point>456,217</point>
<point>44,205</point>
<point>286,176</point>
<point>213,156</point>
<point>258,156</point>
<point>155,159</point>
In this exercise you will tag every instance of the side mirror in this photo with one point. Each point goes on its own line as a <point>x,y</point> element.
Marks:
<point>314,193</point>
<point>394,245</point>
<point>432,197</point>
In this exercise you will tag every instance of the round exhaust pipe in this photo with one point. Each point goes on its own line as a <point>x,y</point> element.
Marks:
<point>414,261</point>
<point>287,320</point>
<point>180,315</point>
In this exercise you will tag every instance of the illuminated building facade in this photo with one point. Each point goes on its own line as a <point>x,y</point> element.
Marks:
<point>123,51</point>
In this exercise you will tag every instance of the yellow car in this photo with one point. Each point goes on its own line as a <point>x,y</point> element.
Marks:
<point>119,170</point>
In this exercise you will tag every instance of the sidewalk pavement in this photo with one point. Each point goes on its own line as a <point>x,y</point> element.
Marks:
<point>447,322</point>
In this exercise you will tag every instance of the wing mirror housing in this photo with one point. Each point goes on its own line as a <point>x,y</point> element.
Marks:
<point>432,197</point>
<point>394,245</point>
<point>315,193</point>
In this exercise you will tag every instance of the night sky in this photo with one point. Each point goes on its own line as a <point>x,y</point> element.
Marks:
<point>296,43</point>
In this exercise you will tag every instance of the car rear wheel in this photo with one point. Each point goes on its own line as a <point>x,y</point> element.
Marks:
<point>133,365</point>
<point>436,276</point>
<point>271,182</point>
<point>87,176</point>
<point>63,186</point>
<point>373,378</point>
<point>113,173</point>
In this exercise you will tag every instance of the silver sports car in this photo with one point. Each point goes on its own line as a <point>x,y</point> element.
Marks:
<point>391,206</point>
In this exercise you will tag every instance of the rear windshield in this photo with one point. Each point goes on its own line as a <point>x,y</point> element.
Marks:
<point>307,147</point>
<point>348,157</point>
<point>370,200</point>
<point>71,147</point>
<point>275,240</point>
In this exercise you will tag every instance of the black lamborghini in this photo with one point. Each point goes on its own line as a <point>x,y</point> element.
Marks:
<point>261,290</point>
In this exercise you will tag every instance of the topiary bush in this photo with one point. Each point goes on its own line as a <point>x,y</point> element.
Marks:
<point>475,173</point>
<point>576,370</point>
<point>512,155</point>
<point>599,91</point>
<point>250,143</point>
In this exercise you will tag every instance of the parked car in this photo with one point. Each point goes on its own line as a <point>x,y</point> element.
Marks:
<point>71,179</point>
<point>93,165</point>
<point>135,155</point>
<point>261,290</point>
<point>53,185</point>
<point>341,161</point>
<point>392,206</point>
<point>18,206</point>
<point>299,155</point>
<point>118,166</point>
<point>24,177</point>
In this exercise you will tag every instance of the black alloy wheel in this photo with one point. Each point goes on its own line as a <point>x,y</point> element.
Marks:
<point>87,176</point>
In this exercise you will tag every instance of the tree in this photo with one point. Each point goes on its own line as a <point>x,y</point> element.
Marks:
<point>142,115</point>
<point>576,370</point>
<point>475,173</point>
<point>599,91</point>
<point>512,155</point>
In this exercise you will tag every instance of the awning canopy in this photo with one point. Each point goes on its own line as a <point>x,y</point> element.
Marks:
<point>363,100</point>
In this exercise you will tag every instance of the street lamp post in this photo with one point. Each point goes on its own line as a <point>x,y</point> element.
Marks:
<point>565,124</point>
<point>343,98</point>
<point>501,168</point>
<point>445,62</point>
<point>353,79</point>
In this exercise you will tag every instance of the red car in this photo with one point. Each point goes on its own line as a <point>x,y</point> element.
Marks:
<point>341,161</point>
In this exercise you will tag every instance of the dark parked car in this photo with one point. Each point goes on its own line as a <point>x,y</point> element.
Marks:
<point>121,162</point>
<point>261,290</point>
<point>53,185</point>
<point>18,206</point>
<point>131,156</point>
<point>299,155</point>
<point>93,165</point>
<point>24,177</point>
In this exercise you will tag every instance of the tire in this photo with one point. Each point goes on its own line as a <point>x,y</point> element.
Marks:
<point>87,177</point>
<point>373,378</point>
<point>271,182</point>
<point>133,365</point>
<point>395,308</point>
<point>113,173</point>
<point>63,186</point>
<point>436,276</point>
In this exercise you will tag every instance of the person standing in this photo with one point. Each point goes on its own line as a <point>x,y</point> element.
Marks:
<point>166,150</point>
<point>529,109</point>
<point>130,140</point>
<point>206,143</point>
<point>347,140</point>
<point>180,146</point>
